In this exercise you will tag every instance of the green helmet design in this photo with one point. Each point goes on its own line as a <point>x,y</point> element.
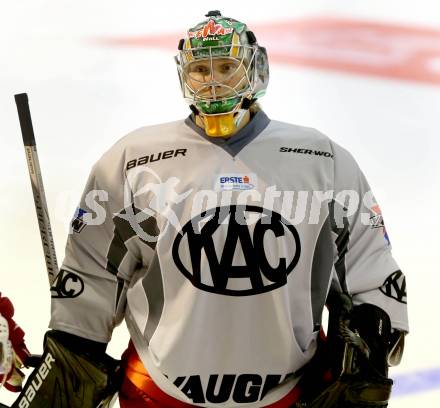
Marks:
<point>220,64</point>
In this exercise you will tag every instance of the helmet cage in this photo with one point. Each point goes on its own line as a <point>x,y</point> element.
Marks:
<point>252,84</point>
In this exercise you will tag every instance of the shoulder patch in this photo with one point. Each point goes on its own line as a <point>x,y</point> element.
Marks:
<point>395,286</point>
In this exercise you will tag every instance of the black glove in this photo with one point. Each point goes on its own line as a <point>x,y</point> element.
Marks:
<point>353,391</point>
<point>355,354</point>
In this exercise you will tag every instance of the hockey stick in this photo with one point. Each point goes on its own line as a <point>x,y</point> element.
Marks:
<point>30,146</point>
<point>46,239</point>
<point>27,132</point>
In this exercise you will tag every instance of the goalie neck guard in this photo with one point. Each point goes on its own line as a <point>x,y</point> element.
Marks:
<point>222,71</point>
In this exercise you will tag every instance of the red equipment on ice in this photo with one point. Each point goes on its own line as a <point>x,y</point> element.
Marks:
<point>13,350</point>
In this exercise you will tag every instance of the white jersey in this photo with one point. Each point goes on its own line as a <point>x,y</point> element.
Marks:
<point>220,254</point>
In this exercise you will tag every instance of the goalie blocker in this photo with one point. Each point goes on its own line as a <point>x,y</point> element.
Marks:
<point>353,361</point>
<point>73,373</point>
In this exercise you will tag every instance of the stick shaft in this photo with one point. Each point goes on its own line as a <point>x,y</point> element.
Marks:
<point>37,185</point>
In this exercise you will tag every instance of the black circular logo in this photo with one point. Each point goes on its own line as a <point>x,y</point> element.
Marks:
<point>237,250</point>
<point>67,285</point>
<point>395,286</point>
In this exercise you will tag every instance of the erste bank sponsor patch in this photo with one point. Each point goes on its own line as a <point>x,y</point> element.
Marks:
<point>235,181</point>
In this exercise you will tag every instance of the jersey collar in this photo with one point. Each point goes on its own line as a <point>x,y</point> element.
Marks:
<point>235,143</point>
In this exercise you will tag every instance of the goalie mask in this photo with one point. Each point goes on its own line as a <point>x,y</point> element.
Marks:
<point>222,71</point>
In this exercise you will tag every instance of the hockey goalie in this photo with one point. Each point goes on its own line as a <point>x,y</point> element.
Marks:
<point>186,231</point>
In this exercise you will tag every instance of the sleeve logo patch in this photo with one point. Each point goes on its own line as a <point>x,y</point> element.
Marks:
<point>67,285</point>
<point>376,221</point>
<point>78,224</point>
<point>395,287</point>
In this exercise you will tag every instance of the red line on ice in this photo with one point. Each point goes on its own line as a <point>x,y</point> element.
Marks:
<point>356,46</point>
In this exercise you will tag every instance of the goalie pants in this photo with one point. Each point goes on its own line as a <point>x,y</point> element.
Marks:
<point>139,391</point>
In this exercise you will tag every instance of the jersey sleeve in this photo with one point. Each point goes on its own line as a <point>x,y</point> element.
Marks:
<point>88,295</point>
<point>363,262</point>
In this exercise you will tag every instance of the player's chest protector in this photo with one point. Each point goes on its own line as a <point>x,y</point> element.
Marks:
<point>234,223</point>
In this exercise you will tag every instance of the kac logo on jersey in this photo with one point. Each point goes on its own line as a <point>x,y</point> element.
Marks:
<point>67,285</point>
<point>237,250</point>
<point>234,181</point>
<point>395,286</point>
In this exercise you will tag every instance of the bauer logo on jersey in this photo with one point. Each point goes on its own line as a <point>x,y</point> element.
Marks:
<point>236,181</point>
<point>237,250</point>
